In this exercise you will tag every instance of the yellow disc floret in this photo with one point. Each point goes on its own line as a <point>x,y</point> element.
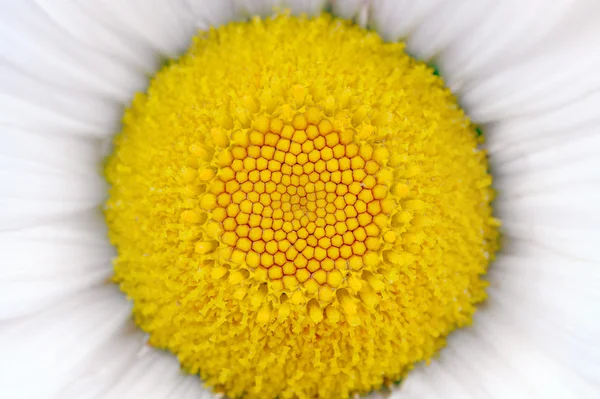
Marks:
<point>300,210</point>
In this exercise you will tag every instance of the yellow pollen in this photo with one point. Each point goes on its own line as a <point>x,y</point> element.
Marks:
<point>300,210</point>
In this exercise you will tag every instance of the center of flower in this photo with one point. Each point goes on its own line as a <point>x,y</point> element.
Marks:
<point>300,210</point>
<point>299,203</point>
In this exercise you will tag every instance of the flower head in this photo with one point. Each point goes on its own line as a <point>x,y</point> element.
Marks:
<point>300,209</point>
<point>524,72</point>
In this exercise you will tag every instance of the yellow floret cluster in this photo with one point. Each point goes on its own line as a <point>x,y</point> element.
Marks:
<point>300,210</point>
<point>301,205</point>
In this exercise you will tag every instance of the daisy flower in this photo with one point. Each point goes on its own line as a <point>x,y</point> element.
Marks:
<point>299,199</point>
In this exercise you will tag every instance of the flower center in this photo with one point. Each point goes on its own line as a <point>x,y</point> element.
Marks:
<point>300,210</point>
<point>298,203</point>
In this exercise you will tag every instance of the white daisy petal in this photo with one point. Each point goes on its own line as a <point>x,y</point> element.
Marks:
<point>20,213</point>
<point>156,375</point>
<point>85,80</point>
<point>463,38</point>
<point>125,367</point>
<point>34,198</point>
<point>160,25</point>
<point>574,243</point>
<point>531,277</point>
<point>544,78</point>
<point>395,19</point>
<point>497,34</point>
<point>452,375</point>
<point>556,160</point>
<point>58,341</point>
<point>357,10</point>
<point>102,369</point>
<point>443,24</point>
<point>348,9</point>
<point>546,170</point>
<point>31,104</point>
<point>20,298</point>
<point>492,360</point>
<point>541,373</point>
<point>52,187</point>
<point>191,388</point>
<point>49,263</point>
<point>38,47</point>
<point>97,31</point>
<point>310,7</point>
<point>249,8</point>
<point>212,12</point>
<point>23,150</point>
<point>515,136</point>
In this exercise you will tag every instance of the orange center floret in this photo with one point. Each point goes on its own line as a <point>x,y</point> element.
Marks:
<point>299,202</point>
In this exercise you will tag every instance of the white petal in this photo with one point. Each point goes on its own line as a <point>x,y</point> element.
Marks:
<point>101,369</point>
<point>500,33</point>
<point>37,46</point>
<point>96,30</point>
<point>212,12</point>
<point>348,9</point>
<point>43,265</point>
<point>516,341</point>
<point>69,68</point>
<point>502,74</point>
<point>518,135</point>
<point>395,19</point>
<point>443,24</point>
<point>558,322</point>
<point>54,84</point>
<point>51,186</point>
<point>125,367</point>
<point>494,359</point>
<point>163,26</point>
<point>34,198</point>
<point>138,32</point>
<point>41,107</point>
<point>357,10</point>
<point>560,70</point>
<point>54,106</point>
<point>250,8</point>
<point>156,374</point>
<point>310,7</point>
<point>23,150</point>
<point>42,353</point>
